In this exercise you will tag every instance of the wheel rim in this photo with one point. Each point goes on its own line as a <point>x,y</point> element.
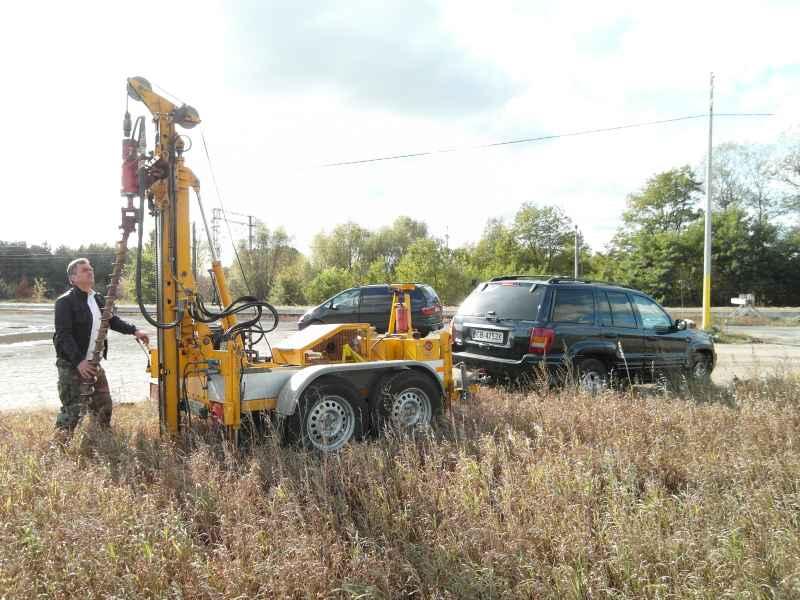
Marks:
<point>411,408</point>
<point>330,423</point>
<point>593,381</point>
<point>700,369</point>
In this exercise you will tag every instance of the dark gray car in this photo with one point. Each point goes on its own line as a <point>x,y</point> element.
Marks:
<point>372,304</point>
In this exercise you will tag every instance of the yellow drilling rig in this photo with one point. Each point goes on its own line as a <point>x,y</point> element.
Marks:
<point>324,386</point>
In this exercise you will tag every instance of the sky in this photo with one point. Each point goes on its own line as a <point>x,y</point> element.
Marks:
<point>284,88</point>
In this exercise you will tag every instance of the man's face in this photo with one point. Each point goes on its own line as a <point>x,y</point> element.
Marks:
<point>83,277</point>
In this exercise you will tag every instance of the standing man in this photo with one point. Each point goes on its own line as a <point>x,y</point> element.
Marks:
<point>78,316</point>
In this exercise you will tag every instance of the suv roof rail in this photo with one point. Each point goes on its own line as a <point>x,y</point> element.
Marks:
<point>560,278</point>
<point>574,280</point>
<point>556,279</point>
<point>513,277</point>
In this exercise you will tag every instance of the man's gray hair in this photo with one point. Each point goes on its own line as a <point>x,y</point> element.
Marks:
<point>73,264</point>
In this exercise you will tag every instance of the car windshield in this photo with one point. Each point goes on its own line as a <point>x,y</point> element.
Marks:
<point>508,300</point>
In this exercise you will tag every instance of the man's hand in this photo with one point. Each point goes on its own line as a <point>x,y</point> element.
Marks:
<point>141,335</point>
<point>87,370</point>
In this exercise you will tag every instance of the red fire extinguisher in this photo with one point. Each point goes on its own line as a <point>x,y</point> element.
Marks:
<point>401,313</point>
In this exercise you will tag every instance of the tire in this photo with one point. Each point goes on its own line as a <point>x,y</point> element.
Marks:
<point>700,369</point>
<point>404,401</point>
<point>592,375</point>
<point>328,417</point>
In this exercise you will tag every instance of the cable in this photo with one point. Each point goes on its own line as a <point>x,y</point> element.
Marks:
<point>154,322</point>
<point>538,139</point>
<point>219,197</point>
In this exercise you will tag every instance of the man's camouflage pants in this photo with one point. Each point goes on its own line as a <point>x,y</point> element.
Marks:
<point>73,407</point>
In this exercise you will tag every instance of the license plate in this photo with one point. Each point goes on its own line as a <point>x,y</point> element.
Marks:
<point>485,335</point>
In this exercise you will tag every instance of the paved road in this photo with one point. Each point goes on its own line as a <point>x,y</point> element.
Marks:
<point>746,361</point>
<point>28,376</point>
<point>787,336</point>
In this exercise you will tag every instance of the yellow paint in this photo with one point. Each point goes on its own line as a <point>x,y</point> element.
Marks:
<point>259,404</point>
<point>186,350</point>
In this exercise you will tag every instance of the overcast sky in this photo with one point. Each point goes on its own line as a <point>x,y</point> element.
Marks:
<point>284,87</point>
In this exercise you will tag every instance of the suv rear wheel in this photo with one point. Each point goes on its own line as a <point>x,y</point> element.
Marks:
<point>592,375</point>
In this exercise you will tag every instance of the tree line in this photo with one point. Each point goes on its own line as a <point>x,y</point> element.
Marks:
<point>658,247</point>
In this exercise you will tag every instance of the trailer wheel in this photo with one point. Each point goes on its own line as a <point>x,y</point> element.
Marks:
<point>404,401</point>
<point>328,416</point>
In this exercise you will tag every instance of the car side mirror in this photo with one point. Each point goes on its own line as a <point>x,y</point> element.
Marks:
<point>334,307</point>
<point>681,324</point>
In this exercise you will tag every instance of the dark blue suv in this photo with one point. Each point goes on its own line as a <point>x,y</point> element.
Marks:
<point>511,325</point>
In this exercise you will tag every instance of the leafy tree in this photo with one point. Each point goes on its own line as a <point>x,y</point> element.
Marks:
<point>271,253</point>
<point>39,289</point>
<point>148,272</point>
<point>497,252</point>
<point>543,236</point>
<point>24,289</point>
<point>389,244</point>
<point>430,261</point>
<point>6,290</point>
<point>666,203</point>
<point>291,282</point>
<point>328,282</point>
<point>787,171</point>
<point>344,248</point>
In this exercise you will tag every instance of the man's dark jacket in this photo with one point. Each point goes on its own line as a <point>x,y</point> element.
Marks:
<point>74,325</point>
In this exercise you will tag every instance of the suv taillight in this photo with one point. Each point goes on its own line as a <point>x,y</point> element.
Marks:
<point>541,340</point>
<point>427,311</point>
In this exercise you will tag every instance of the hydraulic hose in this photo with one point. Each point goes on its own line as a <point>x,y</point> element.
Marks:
<point>154,322</point>
<point>242,303</point>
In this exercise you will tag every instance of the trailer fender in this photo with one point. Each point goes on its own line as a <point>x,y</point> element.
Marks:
<point>290,393</point>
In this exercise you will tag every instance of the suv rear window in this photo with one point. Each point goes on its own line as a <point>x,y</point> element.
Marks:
<point>574,305</point>
<point>508,300</point>
<point>429,293</point>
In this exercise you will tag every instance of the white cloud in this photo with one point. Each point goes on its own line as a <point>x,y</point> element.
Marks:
<point>568,67</point>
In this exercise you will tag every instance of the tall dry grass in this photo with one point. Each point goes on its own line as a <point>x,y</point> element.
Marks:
<point>558,495</point>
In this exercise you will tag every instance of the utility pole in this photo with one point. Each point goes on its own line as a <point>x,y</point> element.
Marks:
<point>576,251</point>
<point>707,244</point>
<point>218,215</point>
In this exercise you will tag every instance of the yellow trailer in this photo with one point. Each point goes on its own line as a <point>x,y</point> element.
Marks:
<point>327,384</point>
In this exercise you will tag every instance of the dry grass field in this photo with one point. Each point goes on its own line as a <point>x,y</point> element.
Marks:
<point>515,495</point>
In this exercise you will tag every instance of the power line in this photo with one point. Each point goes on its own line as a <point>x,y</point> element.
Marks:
<point>219,198</point>
<point>538,139</point>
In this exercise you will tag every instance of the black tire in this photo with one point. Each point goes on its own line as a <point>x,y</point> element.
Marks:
<point>700,369</point>
<point>592,375</point>
<point>329,415</point>
<point>404,401</point>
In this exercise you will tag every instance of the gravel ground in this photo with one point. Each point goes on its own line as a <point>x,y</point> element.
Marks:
<point>28,377</point>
